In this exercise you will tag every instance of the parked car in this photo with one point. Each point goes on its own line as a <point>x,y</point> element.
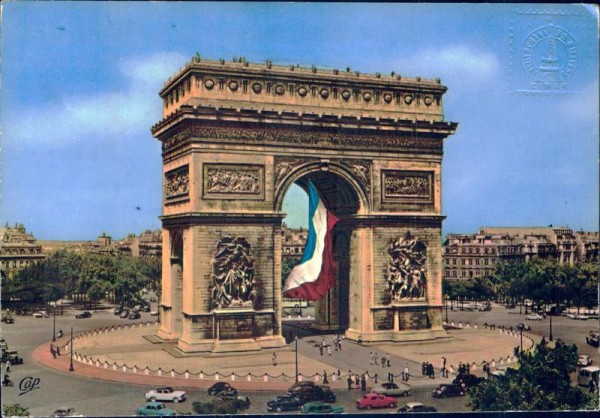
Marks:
<point>8,320</point>
<point>584,360</point>
<point>582,317</point>
<point>153,313</point>
<point>314,393</point>
<point>416,407</point>
<point>13,357</point>
<point>510,306</point>
<point>446,391</point>
<point>534,317</point>
<point>392,389</point>
<point>375,400</point>
<point>321,408</point>
<point>219,387</point>
<point>134,315</point>
<point>118,310</point>
<point>165,394</point>
<point>40,314</point>
<point>124,314</point>
<point>526,327</point>
<point>593,339</point>
<point>3,343</point>
<point>297,385</point>
<point>485,308</point>
<point>285,403</point>
<point>467,380</point>
<point>155,409</point>
<point>83,315</point>
<point>65,412</point>
<point>146,308</point>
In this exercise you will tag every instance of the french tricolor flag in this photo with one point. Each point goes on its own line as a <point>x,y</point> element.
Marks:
<point>315,275</point>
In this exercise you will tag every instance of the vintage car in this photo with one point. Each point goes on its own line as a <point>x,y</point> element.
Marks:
<point>165,394</point>
<point>220,387</point>
<point>124,313</point>
<point>584,360</point>
<point>83,315</point>
<point>242,402</point>
<point>375,400</point>
<point>534,317</point>
<point>321,408</point>
<point>416,407</point>
<point>285,403</point>
<point>312,393</point>
<point>155,409</point>
<point>447,391</point>
<point>593,339</point>
<point>392,389</point>
<point>40,314</point>
<point>467,380</point>
<point>134,315</point>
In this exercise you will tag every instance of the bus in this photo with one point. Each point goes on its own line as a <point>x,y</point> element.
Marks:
<point>587,374</point>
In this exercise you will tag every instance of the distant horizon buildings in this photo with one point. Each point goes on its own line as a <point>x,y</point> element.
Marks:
<point>468,256</point>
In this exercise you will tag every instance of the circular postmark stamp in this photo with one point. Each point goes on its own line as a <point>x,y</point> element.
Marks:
<point>549,55</point>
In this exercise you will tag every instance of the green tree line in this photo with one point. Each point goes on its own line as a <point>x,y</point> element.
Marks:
<point>542,281</point>
<point>86,277</point>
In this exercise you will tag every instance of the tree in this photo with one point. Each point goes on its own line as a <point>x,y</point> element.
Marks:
<point>542,382</point>
<point>14,410</point>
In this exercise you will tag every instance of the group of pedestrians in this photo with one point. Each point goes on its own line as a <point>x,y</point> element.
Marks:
<point>385,359</point>
<point>358,381</point>
<point>55,351</point>
<point>337,344</point>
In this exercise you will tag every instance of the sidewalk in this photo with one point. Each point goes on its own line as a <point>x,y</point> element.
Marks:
<point>104,355</point>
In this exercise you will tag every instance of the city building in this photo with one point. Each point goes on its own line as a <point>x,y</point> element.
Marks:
<point>18,250</point>
<point>293,242</point>
<point>148,244</point>
<point>468,256</point>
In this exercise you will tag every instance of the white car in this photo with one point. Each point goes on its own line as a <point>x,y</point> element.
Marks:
<point>584,360</point>
<point>40,314</point>
<point>534,317</point>
<point>582,317</point>
<point>165,394</point>
<point>392,389</point>
<point>153,313</point>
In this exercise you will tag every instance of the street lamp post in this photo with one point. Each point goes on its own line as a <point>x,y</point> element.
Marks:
<point>550,327</point>
<point>521,326</point>
<point>54,325</point>
<point>296,338</point>
<point>446,306</point>
<point>71,368</point>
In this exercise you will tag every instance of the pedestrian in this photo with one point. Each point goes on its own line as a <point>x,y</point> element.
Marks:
<point>349,380</point>
<point>388,361</point>
<point>375,357</point>
<point>371,358</point>
<point>321,349</point>
<point>356,380</point>
<point>274,359</point>
<point>383,361</point>
<point>328,350</point>
<point>57,350</point>
<point>443,362</point>
<point>340,342</point>
<point>406,373</point>
<point>339,374</point>
<point>53,351</point>
<point>363,383</point>
<point>424,368</point>
<point>391,377</point>
<point>335,343</point>
<point>325,381</point>
<point>7,366</point>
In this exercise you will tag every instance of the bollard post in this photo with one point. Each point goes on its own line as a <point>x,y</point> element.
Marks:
<point>265,378</point>
<point>217,377</point>
<point>187,374</point>
<point>232,376</point>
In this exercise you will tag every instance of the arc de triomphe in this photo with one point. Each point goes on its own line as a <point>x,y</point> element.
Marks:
<point>235,136</point>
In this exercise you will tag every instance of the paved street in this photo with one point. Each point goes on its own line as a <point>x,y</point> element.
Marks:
<point>96,397</point>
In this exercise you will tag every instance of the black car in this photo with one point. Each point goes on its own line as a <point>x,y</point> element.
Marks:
<point>447,391</point>
<point>285,403</point>
<point>83,315</point>
<point>298,385</point>
<point>467,380</point>
<point>146,308</point>
<point>135,315</point>
<point>314,393</point>
<point>8,320</point>
<point>231,395</point>
<point>118,310</point>
<point>220,387</point>
<point>416,407</point>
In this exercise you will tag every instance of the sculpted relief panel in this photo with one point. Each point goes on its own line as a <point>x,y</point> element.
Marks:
<point>233,181</point>
<point>177,182</point>
<point>407,270</point>
<point>407,186</point>
<point>233,281</point>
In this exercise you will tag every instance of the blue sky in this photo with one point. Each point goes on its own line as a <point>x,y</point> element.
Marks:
<point>80,83</point>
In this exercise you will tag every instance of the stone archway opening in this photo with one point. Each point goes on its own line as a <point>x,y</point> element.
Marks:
<point>331,312</point>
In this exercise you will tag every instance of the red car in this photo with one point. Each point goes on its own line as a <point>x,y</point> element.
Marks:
<point>375,400</point>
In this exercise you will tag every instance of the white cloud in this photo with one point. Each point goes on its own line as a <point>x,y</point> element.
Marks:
<point>451,62</point>
<point>108,115</point>
<point>582,106</point>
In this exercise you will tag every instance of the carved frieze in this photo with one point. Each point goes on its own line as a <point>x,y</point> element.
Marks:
<point>361,170</point>
<point>285,165</point>
<point>407,271</point>
<point>233,282</point>
<point>408,186</point>
<point>268,135</point>
<point>233,181</point>
<point>177,183</point>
